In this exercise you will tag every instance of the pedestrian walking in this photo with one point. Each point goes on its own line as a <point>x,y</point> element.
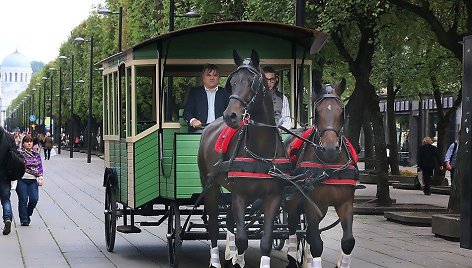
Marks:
<point>5,190</point>
<point>428,161</point>
<point>47,146</point>
<point>450,160</point>
<point>27,187</point>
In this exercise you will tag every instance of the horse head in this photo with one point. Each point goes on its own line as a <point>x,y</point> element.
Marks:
<point>329,119</point>
<point>244,84</point>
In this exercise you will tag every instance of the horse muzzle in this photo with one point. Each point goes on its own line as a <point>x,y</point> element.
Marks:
<point>232,119</point>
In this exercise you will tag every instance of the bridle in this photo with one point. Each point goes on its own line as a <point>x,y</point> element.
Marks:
<point>255,85</point>
<point>319,132</point>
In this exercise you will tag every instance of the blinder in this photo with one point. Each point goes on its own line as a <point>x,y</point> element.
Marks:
<point>256,83</point>
<point>319,133</point>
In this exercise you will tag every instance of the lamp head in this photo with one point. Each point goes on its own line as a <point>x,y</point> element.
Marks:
<point>192,14</point>
<point>79,40</point>
<point>62,57</point>
<point>104,11</point>
<point>44,78</point>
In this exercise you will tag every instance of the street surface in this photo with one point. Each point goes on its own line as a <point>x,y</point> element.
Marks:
<point>67,230</point>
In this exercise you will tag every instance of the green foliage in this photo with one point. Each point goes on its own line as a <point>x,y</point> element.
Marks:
<point>405,47</point>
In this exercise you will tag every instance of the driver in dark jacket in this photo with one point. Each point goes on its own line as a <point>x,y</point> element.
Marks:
<point>207,102</point>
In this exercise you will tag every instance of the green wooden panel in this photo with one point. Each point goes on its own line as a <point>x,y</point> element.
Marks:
<point>145,170</point>
<point>187,172</point>
<point>146,174</point>
<point>122,157</point>
<point>167,177</point>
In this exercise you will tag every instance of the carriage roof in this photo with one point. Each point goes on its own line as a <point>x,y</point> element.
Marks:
<point>216,41</point>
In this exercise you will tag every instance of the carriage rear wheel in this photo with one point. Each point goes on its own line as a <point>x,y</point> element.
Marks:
<point>110,217</point>
<point>281,222</point>
<point>174,241</point>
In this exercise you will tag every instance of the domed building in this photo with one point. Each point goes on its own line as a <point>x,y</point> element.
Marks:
<point>15,75</point>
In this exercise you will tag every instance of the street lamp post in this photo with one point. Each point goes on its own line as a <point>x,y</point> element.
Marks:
<point>59,140</point>
<point>51,70</point>
<point>71,127</point>
<point>44,104</point>
<point>89,123</point>
<point>170,79</point>
<point>106,11</point>
<point>39,108</point>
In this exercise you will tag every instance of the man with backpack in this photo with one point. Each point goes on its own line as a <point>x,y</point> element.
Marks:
<point>5,190</point>
<point>12,167</point>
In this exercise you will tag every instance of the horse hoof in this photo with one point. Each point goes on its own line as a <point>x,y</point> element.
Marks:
<point>292,263</point>
<point>227,264</point>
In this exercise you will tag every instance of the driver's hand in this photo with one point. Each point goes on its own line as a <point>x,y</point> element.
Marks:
<point>196,123</point>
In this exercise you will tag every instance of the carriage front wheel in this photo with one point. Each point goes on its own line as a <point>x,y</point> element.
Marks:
<point>110,217</point>
<point>174,241</point>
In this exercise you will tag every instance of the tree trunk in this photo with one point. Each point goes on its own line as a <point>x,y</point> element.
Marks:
<point>383,191</point>
<point>354,118</point>
<point>369,155</point>
<point>392,128</point>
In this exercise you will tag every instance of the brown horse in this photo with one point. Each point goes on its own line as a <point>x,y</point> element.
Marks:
<point>255,150</point>
<point>328,173</point>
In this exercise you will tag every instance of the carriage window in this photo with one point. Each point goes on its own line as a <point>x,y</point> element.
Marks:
<point>145,97</point>
<point>175,96</point>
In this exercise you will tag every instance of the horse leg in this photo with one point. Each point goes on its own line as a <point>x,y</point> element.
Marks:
<point>345,212</point>
<point>211,207</point>
<point>293,220</point>
<point>271,207</point>
<point>314,246</point>
<point>231,250</point>
<point>239,209</point>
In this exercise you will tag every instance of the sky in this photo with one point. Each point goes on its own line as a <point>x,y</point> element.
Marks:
<point>38,28</point>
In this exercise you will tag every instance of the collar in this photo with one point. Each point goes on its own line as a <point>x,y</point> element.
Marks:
<point>208,90</point>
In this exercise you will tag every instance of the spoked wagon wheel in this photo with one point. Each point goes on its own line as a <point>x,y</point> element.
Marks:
<point>110,217</point>
<point>174,241</point>
<point>280,219</point>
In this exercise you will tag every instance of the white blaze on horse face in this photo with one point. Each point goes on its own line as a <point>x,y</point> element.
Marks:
<point>329,107</point>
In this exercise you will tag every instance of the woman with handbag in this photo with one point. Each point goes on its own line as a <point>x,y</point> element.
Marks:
<point>27,187</point>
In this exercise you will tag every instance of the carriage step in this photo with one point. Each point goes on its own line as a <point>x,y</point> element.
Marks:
<point>128,229</point>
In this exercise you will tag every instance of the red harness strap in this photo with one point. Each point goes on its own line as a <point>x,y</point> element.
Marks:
<point>352,151</point>
<point>225,137</point>
<point>296,144</point>
<point>244,167</point>
<point>346,176</point>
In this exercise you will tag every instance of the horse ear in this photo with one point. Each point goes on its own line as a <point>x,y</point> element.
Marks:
<point>317,88</point>
<point>255,58</point>
<point>237,58</point>
<point>341,87</point>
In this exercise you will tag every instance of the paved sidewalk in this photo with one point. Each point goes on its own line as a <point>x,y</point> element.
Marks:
<point>67,230</point>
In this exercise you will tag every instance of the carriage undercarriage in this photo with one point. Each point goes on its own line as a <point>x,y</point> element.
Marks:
<point>122,219</point>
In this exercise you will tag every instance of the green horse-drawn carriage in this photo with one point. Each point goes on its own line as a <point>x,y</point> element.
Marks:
<point>150,158</point>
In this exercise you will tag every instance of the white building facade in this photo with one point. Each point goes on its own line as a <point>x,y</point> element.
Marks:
<point>15,75</point>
